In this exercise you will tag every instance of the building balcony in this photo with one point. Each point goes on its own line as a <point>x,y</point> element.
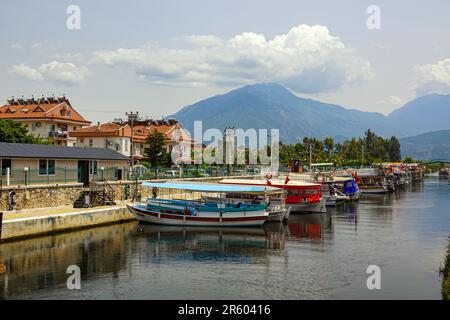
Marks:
<point>58,134</point>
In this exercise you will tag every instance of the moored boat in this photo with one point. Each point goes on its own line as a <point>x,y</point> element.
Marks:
<point>186,204</point>
<point>347,187</point>
<point>300,196</point>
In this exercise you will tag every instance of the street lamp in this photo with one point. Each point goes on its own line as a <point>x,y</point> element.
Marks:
<point>25,171</point>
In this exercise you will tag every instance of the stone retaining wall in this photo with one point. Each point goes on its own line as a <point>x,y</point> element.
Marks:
<point>57,195</point>
<point>29,197</point>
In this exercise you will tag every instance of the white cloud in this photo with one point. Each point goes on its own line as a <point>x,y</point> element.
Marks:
<point>27,72</point>
<point>395,100</point>
<point>16,46</point>
<point>61,72</point>
<point>306,59</point>
<point>433,77</point>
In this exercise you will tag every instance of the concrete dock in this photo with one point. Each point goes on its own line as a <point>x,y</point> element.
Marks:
<point>17,225</point>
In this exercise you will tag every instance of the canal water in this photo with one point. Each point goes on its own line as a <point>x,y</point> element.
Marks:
<point>314,256</point>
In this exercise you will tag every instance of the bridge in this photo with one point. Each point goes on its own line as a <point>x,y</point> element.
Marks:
<point>443,161</point>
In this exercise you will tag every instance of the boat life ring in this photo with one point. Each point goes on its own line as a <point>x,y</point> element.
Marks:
<point>268,176</point>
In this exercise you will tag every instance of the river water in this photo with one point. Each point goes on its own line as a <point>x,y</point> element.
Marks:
<point>314,256</point>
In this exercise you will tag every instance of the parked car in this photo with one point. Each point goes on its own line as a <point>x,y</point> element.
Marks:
<point>171,174</point>
<point>198,172</point>
<point>254,171</point>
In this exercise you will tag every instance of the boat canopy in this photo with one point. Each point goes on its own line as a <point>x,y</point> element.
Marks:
<point>324,164</point>
<point>278,183</point>
<point>350,187</point>
<point>212,187</point>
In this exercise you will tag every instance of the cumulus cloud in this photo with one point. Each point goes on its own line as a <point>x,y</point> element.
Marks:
<point>27,72</point>
<point>433,77</point>
<point>306,59</point>
<point>61,72</point>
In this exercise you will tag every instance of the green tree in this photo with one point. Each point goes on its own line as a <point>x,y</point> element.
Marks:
<point>155,152</point>
<point>409,160</point>
<point>394,149</point>
<point>14,132</point>
<point>329,145</point>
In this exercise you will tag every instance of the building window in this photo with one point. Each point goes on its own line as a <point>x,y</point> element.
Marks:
<point>126,145</point>
<point>74,128</point>
<point>5,163</point>
<point>91,143</point>
<point>93,167</point>
<point>47,167</point>
<point>81,140</point>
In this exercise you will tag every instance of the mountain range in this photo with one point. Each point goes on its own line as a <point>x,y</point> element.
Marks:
<point>432,145</point>
<point>271,105</point>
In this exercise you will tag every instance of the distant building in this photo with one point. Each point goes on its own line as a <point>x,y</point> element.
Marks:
<point>24,164</point>
<point>118,136</point>
<point>50,118</point>
<point>115,136</point>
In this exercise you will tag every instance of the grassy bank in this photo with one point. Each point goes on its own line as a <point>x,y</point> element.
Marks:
<point>446,276</point>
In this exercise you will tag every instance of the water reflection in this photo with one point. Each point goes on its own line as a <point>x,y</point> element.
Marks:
<point>313,256</point>
<point>211,244</point>
<point>40,263</point>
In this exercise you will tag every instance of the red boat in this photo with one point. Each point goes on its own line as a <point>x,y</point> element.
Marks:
<point>300,196</point>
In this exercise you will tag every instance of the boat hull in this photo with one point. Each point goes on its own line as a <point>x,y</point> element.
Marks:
<point>374,191</point>
<point>149,216</point>
<point>331,201</point>
<point>279,216</point>
<point>354,196</point>
<point>316,207</point>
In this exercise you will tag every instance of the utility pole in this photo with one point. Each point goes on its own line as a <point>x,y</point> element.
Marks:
<point>132,117</point>
<point>362,156</point>
<point>310,156</point>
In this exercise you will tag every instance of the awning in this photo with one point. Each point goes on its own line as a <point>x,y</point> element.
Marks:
<point>212,187</point>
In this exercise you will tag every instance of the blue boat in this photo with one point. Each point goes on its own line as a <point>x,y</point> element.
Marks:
<point>348,187</point>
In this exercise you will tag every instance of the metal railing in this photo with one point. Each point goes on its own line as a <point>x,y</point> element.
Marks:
<point>60,175</point>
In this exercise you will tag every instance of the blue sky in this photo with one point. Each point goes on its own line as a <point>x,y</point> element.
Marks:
<point>158,56</point>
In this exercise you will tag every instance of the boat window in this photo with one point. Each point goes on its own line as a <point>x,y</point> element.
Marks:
<point>292,192</point>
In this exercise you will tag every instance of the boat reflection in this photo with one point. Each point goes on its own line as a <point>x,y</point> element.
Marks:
<point>250,245</point>
<point>111,251</point>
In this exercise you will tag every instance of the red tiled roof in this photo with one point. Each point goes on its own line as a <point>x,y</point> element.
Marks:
<point>110,129</point>
<point>140,132</point>
<point>45,111</point>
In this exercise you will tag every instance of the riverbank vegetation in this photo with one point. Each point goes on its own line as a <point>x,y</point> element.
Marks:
<point>362,151</point>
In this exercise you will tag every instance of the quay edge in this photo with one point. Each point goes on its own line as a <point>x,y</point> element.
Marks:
<point>14,229</point>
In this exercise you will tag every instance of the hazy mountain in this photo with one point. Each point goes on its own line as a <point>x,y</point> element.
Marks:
<point>271,105</point>
<point>424,114</point>
<point>431,145</point>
